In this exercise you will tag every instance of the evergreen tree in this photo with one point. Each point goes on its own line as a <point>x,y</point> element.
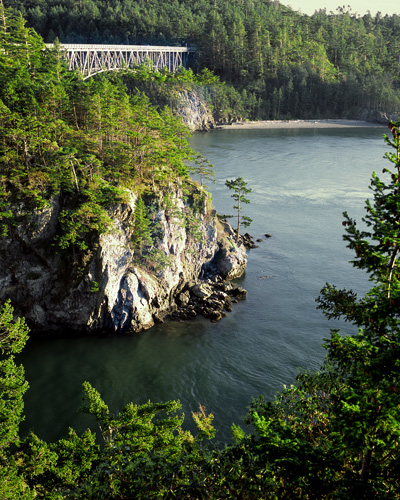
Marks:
<point>13,336</point>
<point>336,434</point>
<point>240,189</point>
<point>369,361</point>
<point>203,168</point>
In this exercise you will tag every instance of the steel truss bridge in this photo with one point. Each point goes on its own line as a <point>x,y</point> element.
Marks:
<point>93,59</point>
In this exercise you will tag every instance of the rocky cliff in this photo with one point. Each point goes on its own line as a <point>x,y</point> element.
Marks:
<point>192,108</point>
<point>113,289</point>
<point>189,104</point>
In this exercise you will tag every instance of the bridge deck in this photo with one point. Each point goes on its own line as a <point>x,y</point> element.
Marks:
<point>141,48</point>
<point>91,59</point>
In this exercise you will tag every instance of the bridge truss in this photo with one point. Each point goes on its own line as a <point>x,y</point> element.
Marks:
<point>93,59</point>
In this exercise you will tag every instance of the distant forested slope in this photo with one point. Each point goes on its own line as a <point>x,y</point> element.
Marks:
<point>282,64</point>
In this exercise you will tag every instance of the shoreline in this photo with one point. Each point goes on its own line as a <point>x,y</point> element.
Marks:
<point>279,124</point>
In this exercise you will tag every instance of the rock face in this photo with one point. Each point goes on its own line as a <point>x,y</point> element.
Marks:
<point>373,115</point>
<point>114,291</point>
<point>193,111</point>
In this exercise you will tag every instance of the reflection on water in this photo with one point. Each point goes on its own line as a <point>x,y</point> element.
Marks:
<point>302,180</point>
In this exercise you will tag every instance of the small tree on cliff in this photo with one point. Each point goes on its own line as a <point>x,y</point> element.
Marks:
<point>240,189</point>
<point>203,168</point>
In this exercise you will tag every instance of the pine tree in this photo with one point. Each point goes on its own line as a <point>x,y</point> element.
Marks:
<point>336,433</point>
<point>13,336</point>
<point>240,189</point>
<point>370,359</point>
<point>203,168</point>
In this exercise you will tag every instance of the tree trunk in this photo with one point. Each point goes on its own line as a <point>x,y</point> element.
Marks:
<point>366,464</point>
<point>238,221</point>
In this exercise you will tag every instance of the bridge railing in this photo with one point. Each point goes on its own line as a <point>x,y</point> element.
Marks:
<point>91,59</point>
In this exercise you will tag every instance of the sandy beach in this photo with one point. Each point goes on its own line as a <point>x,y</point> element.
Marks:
<point>302,124</point>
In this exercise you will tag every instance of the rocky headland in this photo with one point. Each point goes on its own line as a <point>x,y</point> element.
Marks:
<point>114,289</point>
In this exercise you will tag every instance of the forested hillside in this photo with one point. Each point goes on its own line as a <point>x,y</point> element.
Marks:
<point>282,64</point>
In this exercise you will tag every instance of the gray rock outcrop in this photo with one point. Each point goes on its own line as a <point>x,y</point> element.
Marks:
<point>210,299</point>
<point>113,291</point>
<point>194,111</point>
<point>377,116</point>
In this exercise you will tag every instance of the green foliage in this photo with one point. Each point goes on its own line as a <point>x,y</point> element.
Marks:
<point>193,226</point>
<point>144,454</point>
<point>369,359</point>
<point>336,434</point>
<point>77,224</point>
<point>158,260</point>
<point>85,144</point>
<point>13,336</point>
<point>204,423</point>
<point>333,435</point>
<point>134,426</point>
<point>239,186</point>
<point>275,63</point>
<point>13,331</point>
<point>145,451</point>
<point>94,287</point>
<point>142,227</point>
<point>187,77</point>
<point>203,168</point>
